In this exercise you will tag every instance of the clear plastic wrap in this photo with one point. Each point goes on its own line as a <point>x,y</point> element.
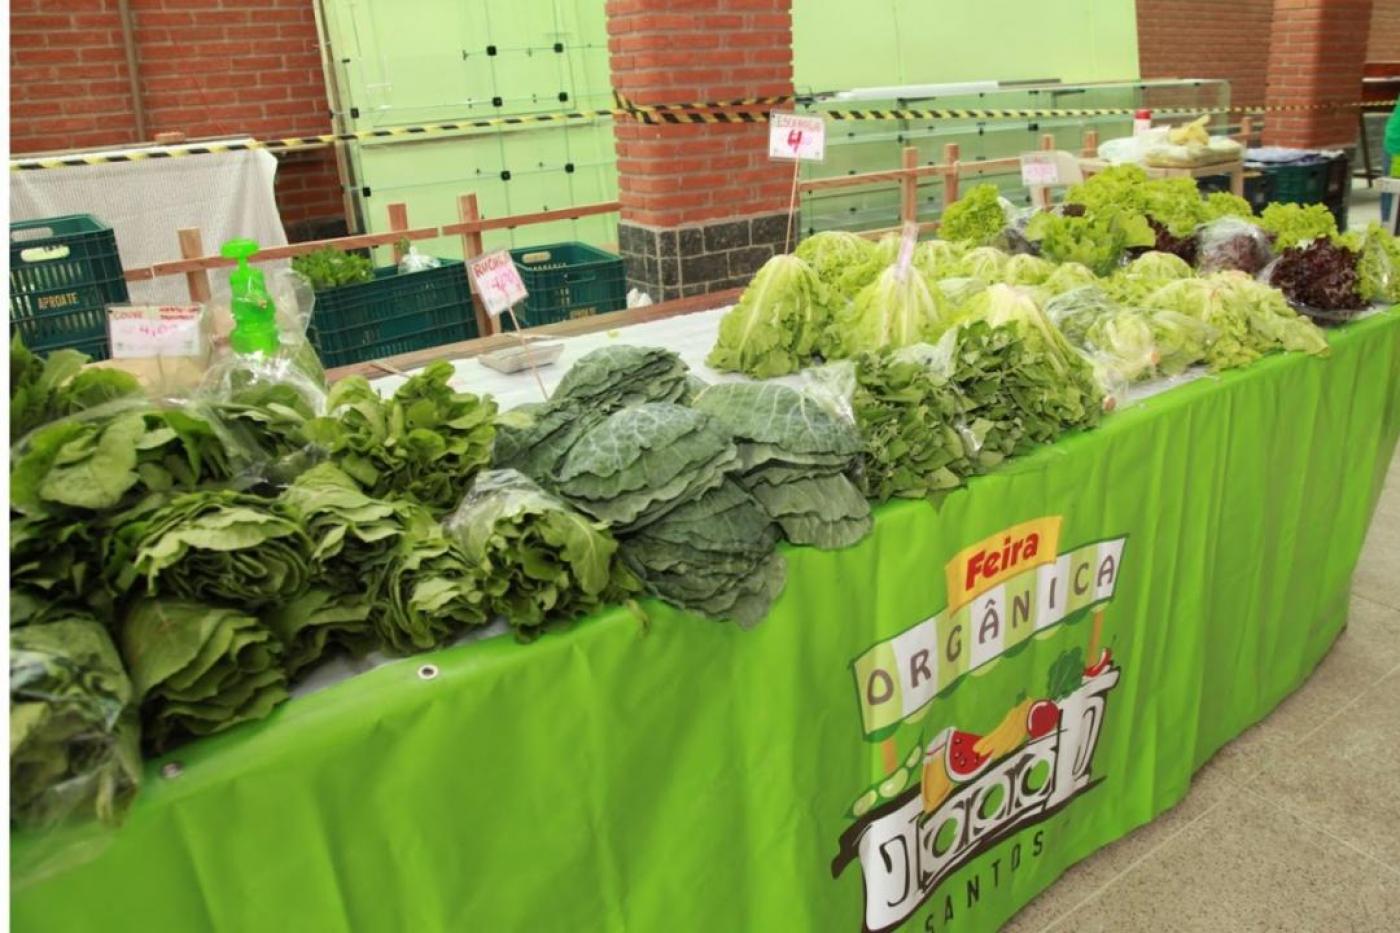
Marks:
<point>1118,342</point>
<point>1232,243</point>
<point>414,261</point>
<point>547,563</point>
<point>74,735</point>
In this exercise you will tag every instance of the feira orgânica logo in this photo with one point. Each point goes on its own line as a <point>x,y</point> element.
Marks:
<point>954,793</point>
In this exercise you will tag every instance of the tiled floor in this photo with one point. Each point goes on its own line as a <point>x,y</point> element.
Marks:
<point>1269,839</point>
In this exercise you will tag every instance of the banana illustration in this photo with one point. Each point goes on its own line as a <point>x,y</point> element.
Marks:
<point>1009,734</point>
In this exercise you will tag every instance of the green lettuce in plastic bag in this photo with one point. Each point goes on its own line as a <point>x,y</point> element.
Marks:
<point>896,310</point>
<point>775,327</point>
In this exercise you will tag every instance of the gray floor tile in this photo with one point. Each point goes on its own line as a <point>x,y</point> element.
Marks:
<point>1209,787</point>
<point>1245,865</point>
<point>1345,777</point>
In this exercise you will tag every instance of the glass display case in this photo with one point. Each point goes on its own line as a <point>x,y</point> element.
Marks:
<point>874,145</point>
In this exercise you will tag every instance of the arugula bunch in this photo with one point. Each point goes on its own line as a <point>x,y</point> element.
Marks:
<point>425,443</point>
<point>430,591</point>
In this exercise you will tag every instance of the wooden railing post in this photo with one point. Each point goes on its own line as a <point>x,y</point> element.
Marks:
<point>1246,129</point>
<point>192,247</point>
<point>951,153</point>
<point>1091,143</point>
<point>398,220</point>
<point>909,186</point>
<point>467,212</point>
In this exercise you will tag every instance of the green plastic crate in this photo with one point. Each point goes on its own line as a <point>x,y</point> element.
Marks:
<point>567,280</point>
<point>1299,184</point>
<point>395,313</point>
<point>64,271</point>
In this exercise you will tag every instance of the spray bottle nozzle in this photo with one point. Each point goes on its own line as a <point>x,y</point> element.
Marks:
<point>255,318</point>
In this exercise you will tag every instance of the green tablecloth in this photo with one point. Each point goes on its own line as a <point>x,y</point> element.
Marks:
<point>697,777</point>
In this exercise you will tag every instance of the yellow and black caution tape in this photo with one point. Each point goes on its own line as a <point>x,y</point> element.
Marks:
<point>741,110</point>
<point>300,142</point>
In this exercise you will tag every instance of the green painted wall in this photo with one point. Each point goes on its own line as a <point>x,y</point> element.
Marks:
<point>838,44</point>
<point>400,63</point>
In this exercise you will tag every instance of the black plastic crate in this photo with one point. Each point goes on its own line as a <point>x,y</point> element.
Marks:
<point>395,313</point>
<point>566,281</point>
<point>64,271</point>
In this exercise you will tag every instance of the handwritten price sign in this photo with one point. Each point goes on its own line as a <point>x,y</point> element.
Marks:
<point>793,137</point>
<point>145,331</point>
<point>497,281</point>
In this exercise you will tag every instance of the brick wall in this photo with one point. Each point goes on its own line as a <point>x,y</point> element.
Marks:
<point>670,175</point>
<point>208,68</point>
<point>1384,41</point>
<point>1317,53</point>
<point>1207,39</point>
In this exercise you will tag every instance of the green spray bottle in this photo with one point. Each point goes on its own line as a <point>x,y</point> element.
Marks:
<point>254,314</point>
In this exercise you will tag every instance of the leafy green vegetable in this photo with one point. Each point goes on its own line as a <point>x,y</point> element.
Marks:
<point>909,414</point>
<point>775,327</point>
<point>199,669</point>
<point>1224,204</point>
<point>212,545</point>
<point>620,375</point>
<point>1378,266</point>
<point>1066,277</point>
<point>1097,239</point>
<point>1175,203</point>
<point>977,218</point>
<point>534,438</point>
<point>895,310</point>
<point>1182,341</point>
<point>431,591</point>
<point>1118,340</point>
<point>713,555</point>
<point>794,452</point>
<point>1292,224</point>
<point>424,444</point>
<point>1023,269</point>
<point>1066,674</point>
<point>985,262</point>
<point>1250,318</point>
<point>74,738</point>
<point>844,262</point>
<point>46,390</point>
<point>331,268</point>
<point>937,259</point>
<point>644,461</point>
<point>541,561</point>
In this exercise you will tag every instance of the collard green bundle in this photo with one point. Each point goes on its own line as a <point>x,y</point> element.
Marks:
<point>713,555</point>
<point>644,461</point>
<point>212,545</point>
<point>74,736</point>
<point>199,669</point>
<point>541,562</point>
<point>424,443</point>
<point>614,377</point>
<point>534,438</point>
<point>775,327</point>
<point>794,454</point>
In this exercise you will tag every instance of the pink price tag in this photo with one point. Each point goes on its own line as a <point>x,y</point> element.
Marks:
<point>497,281</point>
<point>144,331</point>
<point>1039,171</point>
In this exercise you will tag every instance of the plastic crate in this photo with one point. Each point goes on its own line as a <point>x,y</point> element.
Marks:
<point>64,271</point>
<point>567,280</point>
<point>395,313</point>
<point>1299,184</point>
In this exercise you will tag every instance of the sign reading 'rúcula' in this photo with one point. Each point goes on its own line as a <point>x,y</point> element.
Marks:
<point>1002,591</point>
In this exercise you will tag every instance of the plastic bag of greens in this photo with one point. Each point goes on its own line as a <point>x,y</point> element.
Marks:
<point>543,562</point>
<point>1119,341</point>
<point>414,261</point>
<point>74,737</point>
<point>1232,243</point>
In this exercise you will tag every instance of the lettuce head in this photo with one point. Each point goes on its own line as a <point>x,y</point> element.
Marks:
<point>774,328</point>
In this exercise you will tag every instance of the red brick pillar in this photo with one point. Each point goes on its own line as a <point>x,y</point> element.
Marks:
<point>702,206</point>
<point>1316,55</point>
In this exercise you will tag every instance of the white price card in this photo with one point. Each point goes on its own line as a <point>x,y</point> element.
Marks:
<point>1050,168</point>
<point>497,281</point>
<point>145,331</point>
<point>796,137</point>
<point>1039,170</point>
